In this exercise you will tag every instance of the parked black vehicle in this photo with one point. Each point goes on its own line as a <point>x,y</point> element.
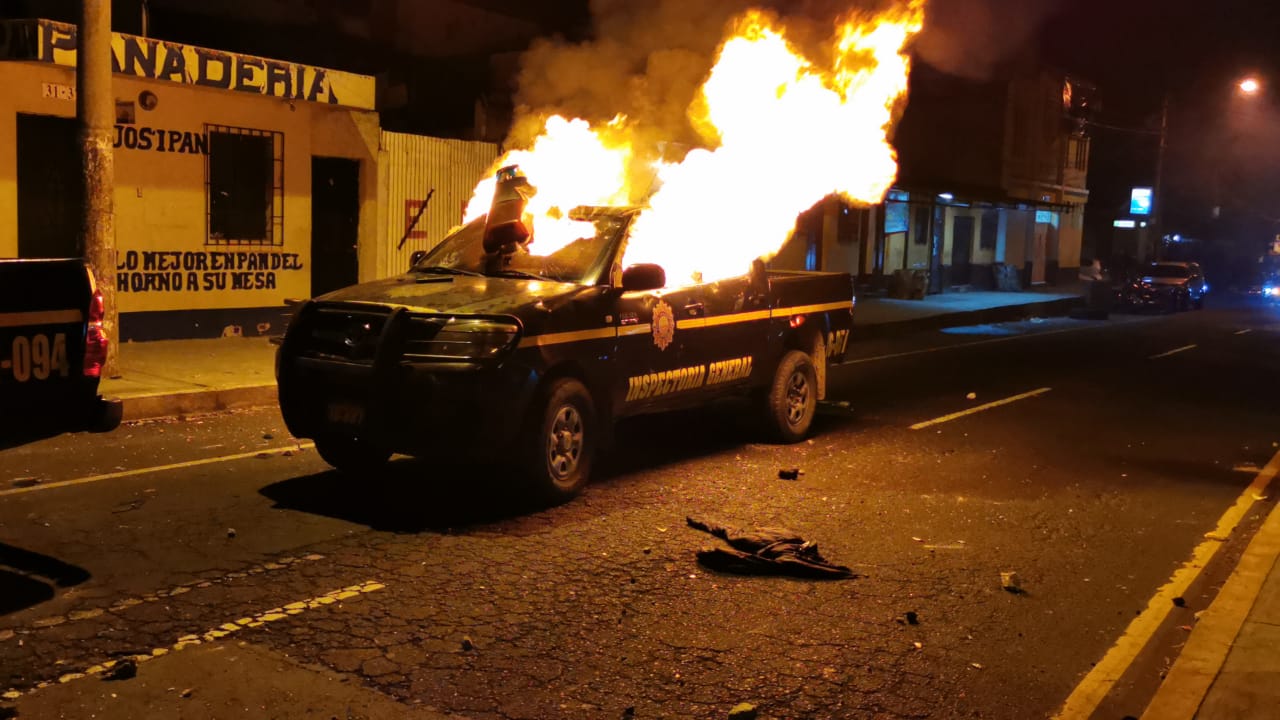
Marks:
<point>52,349</point>
<point>1166,285</point>
<point>487,351</point>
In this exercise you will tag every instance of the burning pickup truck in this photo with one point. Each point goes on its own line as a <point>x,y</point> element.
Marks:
<point>485,346</point>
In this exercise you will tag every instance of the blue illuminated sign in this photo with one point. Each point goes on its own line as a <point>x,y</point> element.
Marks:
<point>1140,201</point>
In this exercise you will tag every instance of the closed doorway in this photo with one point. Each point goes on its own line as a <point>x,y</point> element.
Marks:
<point>335,223</point>
<point>961,249</point>
<point>50,187</point>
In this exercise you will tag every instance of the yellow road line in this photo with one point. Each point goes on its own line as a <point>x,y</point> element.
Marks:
<point>283,563</point>
<point>1187,685</point>
<point>978,409</point>
<point>1174,351</point>
<point>222,631</point>
<point>156,469</point>
<point>1091,691</point>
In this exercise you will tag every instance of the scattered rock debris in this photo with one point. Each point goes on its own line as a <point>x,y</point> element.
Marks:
<point>124,670</point>
<point>912,618</point>
<point>790,474</point>
<point>467,644</point>
<point>743,711</point>
<point>971,396</point>
<point>268,436</point>
<point>1179,602</point>
<point>26,482</point>
<point>231,532</point>
<point>1011,583</point>
<point>186,693</point>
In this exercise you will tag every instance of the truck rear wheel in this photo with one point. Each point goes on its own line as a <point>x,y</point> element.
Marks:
<point>792,399</point>
<point>352,455</point>
<point>561,444</point>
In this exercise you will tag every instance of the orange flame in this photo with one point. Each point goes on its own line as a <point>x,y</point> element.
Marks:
<point>785,134</point>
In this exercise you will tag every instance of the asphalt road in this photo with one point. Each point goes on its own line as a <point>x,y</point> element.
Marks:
<point>1094,485</point>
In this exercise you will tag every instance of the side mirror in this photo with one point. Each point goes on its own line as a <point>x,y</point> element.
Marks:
<point>416,257</point>
<point>644,276</point>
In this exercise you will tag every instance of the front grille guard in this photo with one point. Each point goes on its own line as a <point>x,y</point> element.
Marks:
<point>382,376</point>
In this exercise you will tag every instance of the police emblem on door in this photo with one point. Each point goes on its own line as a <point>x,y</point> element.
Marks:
<point>664,325</point>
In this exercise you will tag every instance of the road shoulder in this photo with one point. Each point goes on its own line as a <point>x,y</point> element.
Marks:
<point>220,680</point>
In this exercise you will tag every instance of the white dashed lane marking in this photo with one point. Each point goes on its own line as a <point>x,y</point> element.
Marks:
<point>978,409</point>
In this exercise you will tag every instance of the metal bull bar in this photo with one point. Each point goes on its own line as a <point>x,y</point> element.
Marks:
<point>383,377</point>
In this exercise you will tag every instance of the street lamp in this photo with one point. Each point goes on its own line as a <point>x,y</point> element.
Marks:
<point>1249,87</point>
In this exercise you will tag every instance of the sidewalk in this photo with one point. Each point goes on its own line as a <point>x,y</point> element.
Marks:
<point>169,378</point>
<point>1229,668</point>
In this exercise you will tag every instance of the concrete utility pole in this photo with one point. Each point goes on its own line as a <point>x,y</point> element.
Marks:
<point>1157,211</point>
<point>95,109</point>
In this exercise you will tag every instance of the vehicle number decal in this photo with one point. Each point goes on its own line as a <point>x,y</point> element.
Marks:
<point>837,343</point>
<point>34,357</point>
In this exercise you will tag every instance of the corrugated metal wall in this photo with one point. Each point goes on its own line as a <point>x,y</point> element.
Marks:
<point>410,167</point>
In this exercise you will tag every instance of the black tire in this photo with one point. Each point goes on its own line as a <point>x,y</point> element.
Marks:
<point>560,443</point>
<point>351,455</point>
<point>792,399</point>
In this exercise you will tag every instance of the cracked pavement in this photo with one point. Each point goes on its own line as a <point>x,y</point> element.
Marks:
<point>493,609</point>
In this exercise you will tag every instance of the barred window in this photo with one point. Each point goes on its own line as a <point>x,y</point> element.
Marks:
<point>244,185</point>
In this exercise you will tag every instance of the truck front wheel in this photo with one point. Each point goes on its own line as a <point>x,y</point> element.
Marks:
<point>792,398</point>
<point>561,443</point>
<point>352,455</point>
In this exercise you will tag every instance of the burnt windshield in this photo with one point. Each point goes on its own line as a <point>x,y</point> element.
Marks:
<point>580,260</point>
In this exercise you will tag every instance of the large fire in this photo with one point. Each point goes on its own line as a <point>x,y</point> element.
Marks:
<point>782,132</point>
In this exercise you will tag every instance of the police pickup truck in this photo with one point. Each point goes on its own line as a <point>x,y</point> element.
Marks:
<point>485,347</point>
<point>52,349</point>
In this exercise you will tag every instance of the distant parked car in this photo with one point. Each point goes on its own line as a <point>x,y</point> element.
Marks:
<point>1168,285</point>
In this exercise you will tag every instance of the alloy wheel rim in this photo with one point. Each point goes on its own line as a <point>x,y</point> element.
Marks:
<point>564,443</point>
<point>797,398</point>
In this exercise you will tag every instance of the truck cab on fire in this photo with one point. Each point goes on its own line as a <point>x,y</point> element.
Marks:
<point>496,345</point>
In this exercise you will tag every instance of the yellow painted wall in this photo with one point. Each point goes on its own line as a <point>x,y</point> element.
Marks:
<point>160,198</point>
<point>1070,237</point>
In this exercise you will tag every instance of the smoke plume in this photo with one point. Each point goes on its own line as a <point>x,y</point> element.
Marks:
<point>647,61</point>
<point>970,37</point>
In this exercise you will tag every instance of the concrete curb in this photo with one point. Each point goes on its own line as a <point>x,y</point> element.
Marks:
<point>195,402</point>
<point>1005,313</point>
<point>1199,667</point>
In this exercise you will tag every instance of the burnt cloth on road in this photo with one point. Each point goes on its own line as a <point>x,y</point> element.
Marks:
<point>766,551</point>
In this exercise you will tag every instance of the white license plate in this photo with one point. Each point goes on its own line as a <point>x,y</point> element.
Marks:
<point>346,414</point>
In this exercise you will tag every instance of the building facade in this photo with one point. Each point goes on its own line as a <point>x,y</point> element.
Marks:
<point>990,195</point>
<point>241,182</point>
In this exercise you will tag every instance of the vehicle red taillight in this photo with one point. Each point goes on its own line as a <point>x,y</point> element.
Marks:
<point>95,338</point>
<point>797,321</point>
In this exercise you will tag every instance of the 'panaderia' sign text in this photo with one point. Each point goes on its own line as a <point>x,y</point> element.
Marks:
<point>54,42</point>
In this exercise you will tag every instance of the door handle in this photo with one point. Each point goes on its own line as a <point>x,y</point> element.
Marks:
<point>695,310</point>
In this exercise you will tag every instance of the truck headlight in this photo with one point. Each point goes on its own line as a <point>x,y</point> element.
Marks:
<point>466,339</point>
